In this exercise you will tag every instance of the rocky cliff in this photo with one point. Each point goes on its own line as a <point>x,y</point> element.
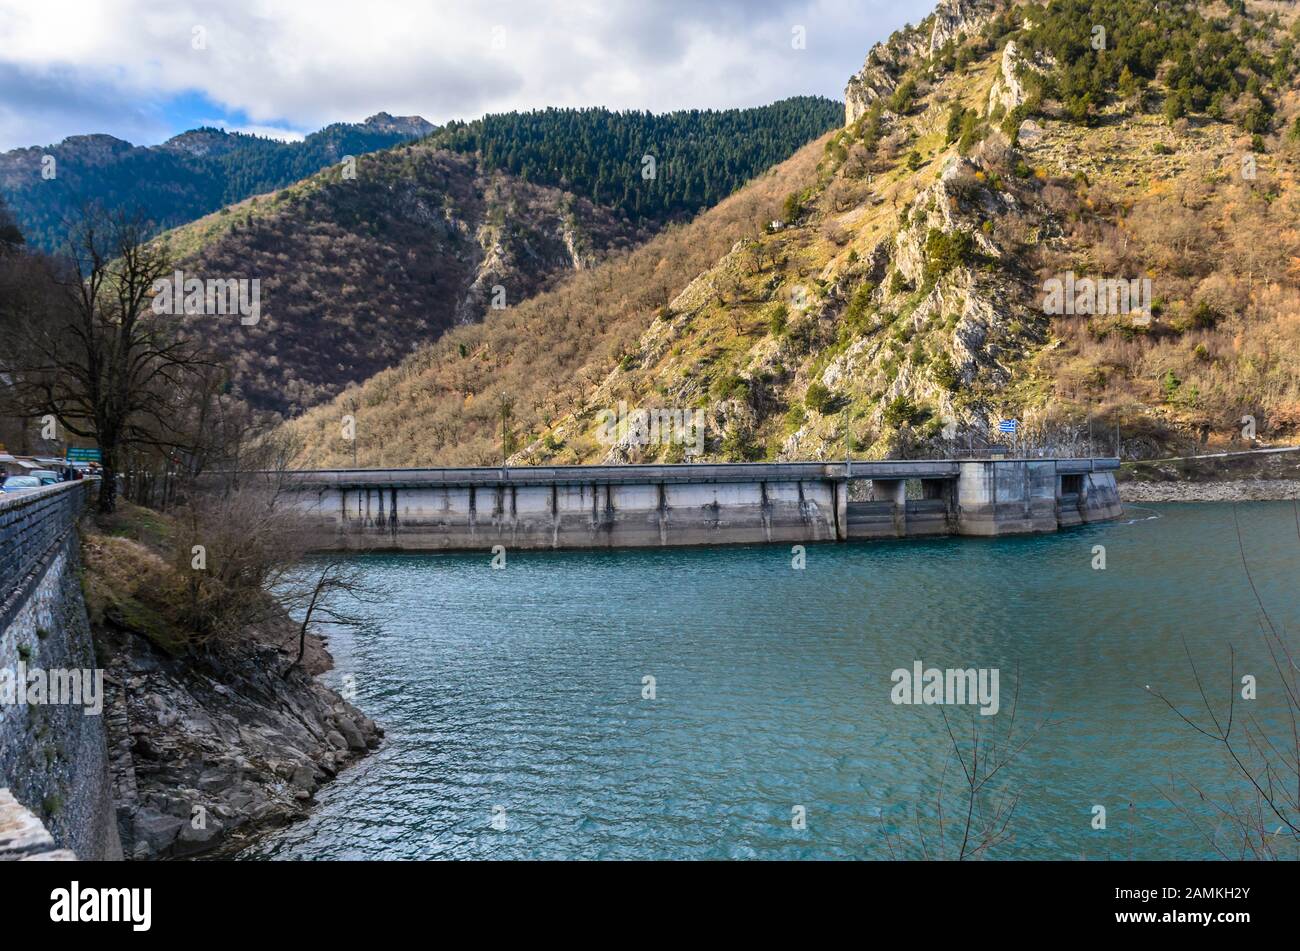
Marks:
<point>903,306</point>
<point>209,743</point>
<point>886,62</point>
<point>207,753</point>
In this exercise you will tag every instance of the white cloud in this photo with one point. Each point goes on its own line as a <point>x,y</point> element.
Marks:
<point>266,131</point>
<point>310,63</point>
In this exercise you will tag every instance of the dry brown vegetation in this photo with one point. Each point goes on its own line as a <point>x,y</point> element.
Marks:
<point>442,405</point>
<point>356,274</point>
<point>1223,256</point>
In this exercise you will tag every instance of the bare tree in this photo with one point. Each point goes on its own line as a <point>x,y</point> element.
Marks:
<point>99,360</point>
<point>987,802</point>
<point>325,594</point>
<point>1263,816</point>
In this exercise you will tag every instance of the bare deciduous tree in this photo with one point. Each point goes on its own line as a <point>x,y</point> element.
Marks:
<point>987,801</point>
<point>99,360</point>
<point>1262,818</point>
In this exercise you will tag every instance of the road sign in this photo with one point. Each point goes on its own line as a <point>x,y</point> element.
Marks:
<point>83,454</point>
<point>1008,426</point>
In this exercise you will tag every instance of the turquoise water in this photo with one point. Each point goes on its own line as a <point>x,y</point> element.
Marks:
<point>516,694</point>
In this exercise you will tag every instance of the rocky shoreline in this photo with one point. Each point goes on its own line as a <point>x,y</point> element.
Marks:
<point>207,752</point>
<point>1240,490</point>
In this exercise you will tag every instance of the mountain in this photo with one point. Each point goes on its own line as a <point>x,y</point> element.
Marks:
<point>185,177</point>
<point>355,272</point>
<point>1081,214</point>
<point>544,355</point>
<point>652,167</point>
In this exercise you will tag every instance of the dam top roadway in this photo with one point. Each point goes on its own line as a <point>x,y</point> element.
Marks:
<point>686,473</point>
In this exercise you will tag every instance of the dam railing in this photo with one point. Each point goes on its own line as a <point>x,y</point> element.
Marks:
<point>682,473</point>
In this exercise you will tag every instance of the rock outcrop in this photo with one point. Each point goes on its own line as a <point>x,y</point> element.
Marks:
<point>879,76</point>
<point>23,837</point>
<point>955,19</point>
<point>1008,92</point>
<point>207,751</point>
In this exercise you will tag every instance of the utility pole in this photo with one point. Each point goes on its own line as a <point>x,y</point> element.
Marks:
<point>848,463</point>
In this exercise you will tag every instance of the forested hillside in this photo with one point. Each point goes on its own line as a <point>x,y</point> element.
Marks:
<point>649,166</point>
<point>903,304</point>
<point>356,273</point>
<point>537,360</point>
<point>186,177</point>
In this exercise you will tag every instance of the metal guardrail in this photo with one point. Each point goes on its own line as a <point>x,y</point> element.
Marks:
<point>31,523</point>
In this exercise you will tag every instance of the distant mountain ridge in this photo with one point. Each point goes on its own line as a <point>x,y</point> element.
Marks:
<point>180,180</point>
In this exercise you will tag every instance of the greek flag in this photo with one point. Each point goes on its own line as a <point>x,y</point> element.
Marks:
<point>1008,426</point>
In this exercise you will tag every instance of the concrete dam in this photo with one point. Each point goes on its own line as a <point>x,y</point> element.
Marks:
<point>698,504</point>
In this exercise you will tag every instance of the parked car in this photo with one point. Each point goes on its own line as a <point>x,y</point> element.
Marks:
<point>19,483</point>
<point>47,476</point>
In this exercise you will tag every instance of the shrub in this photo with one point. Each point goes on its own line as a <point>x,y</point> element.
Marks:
<point>730,387</point>
<point>944,372</point>
<point>738,444</point>
<point>955,116</point>
<point>778,319</point>
<point>819,398</point>
<point>1205,316</point>
<point>901,100</point>
<point>793,207</point>
<point>1169,385</point>
<point>901,411</point>
<point>945,250</point>
<point>857,315</point>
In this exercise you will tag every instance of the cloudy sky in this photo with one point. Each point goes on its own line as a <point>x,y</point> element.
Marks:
<point>144,70</point>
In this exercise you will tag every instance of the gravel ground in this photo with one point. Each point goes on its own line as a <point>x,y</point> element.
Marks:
<point>1244,490</point>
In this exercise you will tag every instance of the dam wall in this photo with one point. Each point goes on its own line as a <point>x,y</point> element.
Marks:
<point>698,504</point>
<point>53,756</point>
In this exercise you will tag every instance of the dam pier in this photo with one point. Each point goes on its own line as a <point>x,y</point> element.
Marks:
<point>636,506</point>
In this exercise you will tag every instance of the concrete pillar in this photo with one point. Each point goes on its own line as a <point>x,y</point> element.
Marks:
<point>999,497</point>
<point>841,492</point>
